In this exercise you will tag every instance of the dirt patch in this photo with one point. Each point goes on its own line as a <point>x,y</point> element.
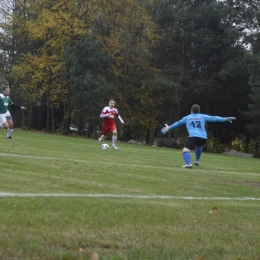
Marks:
<point>235,153</point>
<point>246,183</point>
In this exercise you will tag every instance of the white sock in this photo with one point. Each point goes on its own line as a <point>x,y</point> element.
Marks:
<point>114,137</point>
<point>9,132</point>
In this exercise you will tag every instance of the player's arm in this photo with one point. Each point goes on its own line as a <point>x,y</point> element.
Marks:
<point>120,118</point>
<point>104,113</point>
<point>17,106</point>
<point>174,125</point>
<point>219,119</point>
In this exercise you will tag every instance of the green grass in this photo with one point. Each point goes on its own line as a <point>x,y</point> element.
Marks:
<point>118,209</point>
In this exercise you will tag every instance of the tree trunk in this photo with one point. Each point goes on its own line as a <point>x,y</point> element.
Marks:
<point>23,119</point>
<point>47,128</point>
<point>31,112</point>
<point>66,118</point>
<point>52,120</point>
<point>42,107</point>
<point>147,136</point>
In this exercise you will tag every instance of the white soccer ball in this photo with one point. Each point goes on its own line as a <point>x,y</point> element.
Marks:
<point>104,147</point>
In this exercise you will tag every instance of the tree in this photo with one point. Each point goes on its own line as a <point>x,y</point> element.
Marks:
<point>253,113</point>
<point>87,75</point>
<point>128,35</point>
<point>11,46</point>
<point>172,55</point>
<point>49,27</point>
<point>199,38</point>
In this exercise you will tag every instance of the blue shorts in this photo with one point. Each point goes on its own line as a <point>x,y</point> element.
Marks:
<point>192,142</point>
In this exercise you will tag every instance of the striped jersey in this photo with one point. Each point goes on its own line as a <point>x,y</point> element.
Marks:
<point>108,114</point>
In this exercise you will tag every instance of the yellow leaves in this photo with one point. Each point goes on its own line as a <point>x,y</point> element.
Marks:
<point>238,145</point>
<point>126,30</point>
<point>49,26</point>
<point>54,23</point>
<point>129,34</point>
<point>40,75</point>
<point>56,29</point>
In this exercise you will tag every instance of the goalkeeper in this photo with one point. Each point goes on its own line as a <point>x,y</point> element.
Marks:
<point>195,124</point>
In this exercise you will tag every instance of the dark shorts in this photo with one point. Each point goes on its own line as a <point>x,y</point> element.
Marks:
<point>192,142</point>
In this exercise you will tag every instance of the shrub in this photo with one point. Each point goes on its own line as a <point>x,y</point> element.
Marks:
<point>217,147</point>
<point>238,145</point>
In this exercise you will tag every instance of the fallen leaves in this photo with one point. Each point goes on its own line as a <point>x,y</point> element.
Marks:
<point>213,209</point>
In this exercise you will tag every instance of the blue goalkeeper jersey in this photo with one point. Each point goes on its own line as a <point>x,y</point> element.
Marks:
<point>195,124</point>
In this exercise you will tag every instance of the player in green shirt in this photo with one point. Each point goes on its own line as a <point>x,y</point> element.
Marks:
<point>5,116</point>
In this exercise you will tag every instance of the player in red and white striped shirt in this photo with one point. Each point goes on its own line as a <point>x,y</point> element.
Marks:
<point>108,114</point>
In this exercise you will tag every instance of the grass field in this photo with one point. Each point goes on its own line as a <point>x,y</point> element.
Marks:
<point>64,198</point>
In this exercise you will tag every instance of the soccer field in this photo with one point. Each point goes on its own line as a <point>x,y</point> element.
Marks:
<point>64,198</point>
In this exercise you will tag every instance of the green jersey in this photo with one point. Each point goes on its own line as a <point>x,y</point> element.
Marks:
<point>4,102</point>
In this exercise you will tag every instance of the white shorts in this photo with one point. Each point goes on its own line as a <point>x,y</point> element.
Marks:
<point>4,117</point>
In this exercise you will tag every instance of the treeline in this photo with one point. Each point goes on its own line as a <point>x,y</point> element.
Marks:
<point>64,60</point>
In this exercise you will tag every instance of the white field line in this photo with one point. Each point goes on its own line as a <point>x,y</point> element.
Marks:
<point>121,164</point>
<point>6,194</point>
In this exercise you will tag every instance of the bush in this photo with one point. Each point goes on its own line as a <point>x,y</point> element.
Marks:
<point>214,145</point>
<point>237,145</point>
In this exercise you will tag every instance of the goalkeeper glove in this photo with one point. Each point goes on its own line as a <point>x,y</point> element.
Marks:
<point>165,129</point>
<point>229,119</point>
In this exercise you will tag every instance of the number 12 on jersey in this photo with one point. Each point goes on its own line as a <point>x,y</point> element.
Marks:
<point>196,124</point>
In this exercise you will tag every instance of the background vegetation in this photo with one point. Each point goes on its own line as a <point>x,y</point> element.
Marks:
<point>64,60</point>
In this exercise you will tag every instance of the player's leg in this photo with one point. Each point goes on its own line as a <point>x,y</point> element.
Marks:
<point>105,131</point>
<point>198,151</point>
<point>114,138</point>
<point>10,128</point>
<point>113,129</point>
<point>188,146</point>
<point>186,157</point>
<point>100,139</point>
<point>3,121</point>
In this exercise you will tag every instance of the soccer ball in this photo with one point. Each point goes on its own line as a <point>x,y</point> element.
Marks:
<point>104,147</point>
